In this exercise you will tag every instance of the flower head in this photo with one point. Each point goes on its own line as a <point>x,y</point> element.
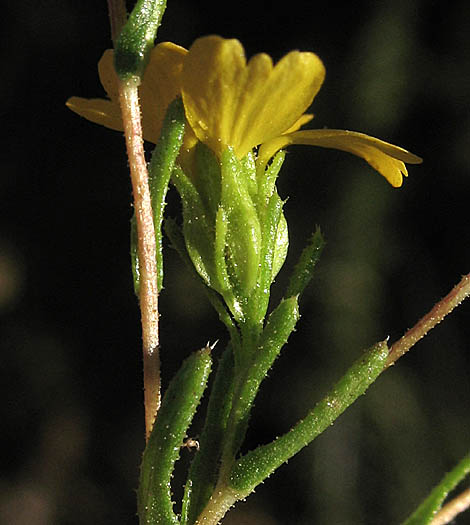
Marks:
<point>230,102</point>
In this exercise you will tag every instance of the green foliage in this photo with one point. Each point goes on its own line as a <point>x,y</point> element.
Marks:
<point>137,37</point>
<point>257,465</point>
<point>196,229</point>
<point>243,232</point>
<point>174,233</point>
<point>274,246</point>
<point>303,271</point>
<point>179,404</point>
<point>161,167</point>
<point>234,237</point>
<point>234,228</point>
<point>204,469</point>
<point>280,325</point>
<point>208,181</point>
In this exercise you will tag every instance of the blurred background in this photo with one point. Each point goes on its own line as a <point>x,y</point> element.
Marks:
<point>71,373</point>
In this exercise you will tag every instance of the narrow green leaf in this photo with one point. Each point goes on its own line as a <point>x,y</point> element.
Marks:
<point>254,467</point>
<point>198,233</point>
<point>281,246</point>
<point>303,271</point>
<point>432,504</point>
<point>137,38</point>
<point>160,169</point>
<point>205,466</point>
<point>174,417</point>
<point>269,234</point>
<point>267,179</point>
<point>248,164</point>
<point>280,325</point>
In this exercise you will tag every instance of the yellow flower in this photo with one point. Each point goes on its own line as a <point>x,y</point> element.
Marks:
<point>231,103</point>
<point>160,86</point>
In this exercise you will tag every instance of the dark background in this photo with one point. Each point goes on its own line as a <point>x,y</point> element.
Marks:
<point>71,391</point>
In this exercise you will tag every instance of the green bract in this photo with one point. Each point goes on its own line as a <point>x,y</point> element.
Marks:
<point>234,229</point>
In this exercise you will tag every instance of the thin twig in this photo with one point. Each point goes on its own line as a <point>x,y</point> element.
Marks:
<point>430,320</point>
<point>146,244</point>
<point>452,509</point>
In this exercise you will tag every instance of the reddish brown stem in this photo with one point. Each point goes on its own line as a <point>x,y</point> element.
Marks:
<point>146,245</point>
<point>430,320</point>
<point>117,17</point>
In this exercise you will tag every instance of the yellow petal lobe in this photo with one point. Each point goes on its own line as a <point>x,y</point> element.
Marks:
<point>387,159</point>
<point>160,85</point>
<point>304,119</point>
<point>97,110</point>
<point>230,102</point>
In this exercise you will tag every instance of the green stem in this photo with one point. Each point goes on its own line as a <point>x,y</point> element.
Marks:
<point>280,325</point>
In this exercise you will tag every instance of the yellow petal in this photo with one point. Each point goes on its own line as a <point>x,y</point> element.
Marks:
<point>108,77</point>
<point>231,103</point>
<point>161,84</point>
<point>304,119</point>
<point>386,158</point>
<point>97,110</point>
<point>101,111</point>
